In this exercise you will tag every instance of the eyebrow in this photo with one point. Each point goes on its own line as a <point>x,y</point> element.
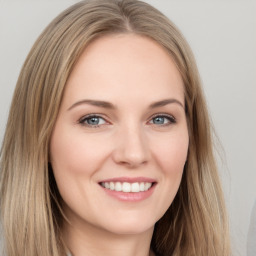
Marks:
<point>97,103</point>
<point>108,105</point>
<point>165,102</point>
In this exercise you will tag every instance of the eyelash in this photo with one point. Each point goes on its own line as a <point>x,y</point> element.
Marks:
<point>171,120</point>
<point>83,120</point>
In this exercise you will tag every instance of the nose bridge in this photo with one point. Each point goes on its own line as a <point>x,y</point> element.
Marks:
<point>132,146</point>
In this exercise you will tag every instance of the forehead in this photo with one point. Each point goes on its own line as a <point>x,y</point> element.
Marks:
<point>124,65</point>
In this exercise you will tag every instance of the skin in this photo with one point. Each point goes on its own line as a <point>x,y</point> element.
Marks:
<point>132,73</point>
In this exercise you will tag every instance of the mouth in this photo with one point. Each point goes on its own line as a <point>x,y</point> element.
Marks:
<point>129,189</point>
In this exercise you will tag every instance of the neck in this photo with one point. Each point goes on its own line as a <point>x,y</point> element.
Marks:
<point>92,241</point>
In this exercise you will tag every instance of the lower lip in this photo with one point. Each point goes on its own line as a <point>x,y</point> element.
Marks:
<point>130,196</point>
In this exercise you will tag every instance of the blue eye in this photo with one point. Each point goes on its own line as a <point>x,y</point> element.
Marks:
<point>159,120</point>
<point>92,120</point>
<point>163,120</point>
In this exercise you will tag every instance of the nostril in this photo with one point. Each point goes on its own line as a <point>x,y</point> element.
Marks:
<point>133,164</point>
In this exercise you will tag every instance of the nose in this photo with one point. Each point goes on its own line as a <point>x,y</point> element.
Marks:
<point>131,149</point>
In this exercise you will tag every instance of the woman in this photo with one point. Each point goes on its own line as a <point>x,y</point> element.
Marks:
<point>108,146</point>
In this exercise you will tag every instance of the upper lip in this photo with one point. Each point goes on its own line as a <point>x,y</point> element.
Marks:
<point>129,179</point>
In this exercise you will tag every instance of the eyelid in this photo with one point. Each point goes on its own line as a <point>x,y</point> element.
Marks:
<point>83,119</point>
<point>171,118</point>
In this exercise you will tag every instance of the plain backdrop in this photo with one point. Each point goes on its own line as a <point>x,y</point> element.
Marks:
<point>222,34</point>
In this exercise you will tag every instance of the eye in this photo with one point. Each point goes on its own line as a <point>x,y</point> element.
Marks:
<point>162,120</point>
<point>92,121</point>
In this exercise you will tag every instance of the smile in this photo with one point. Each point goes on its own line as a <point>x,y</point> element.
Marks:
<point>127,187</point>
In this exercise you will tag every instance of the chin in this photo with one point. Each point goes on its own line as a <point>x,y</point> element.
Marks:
<point>130,226</point>
<point>131,230</point>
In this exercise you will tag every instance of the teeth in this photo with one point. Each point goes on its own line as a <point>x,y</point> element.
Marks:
<point>127,187</point>
<point>118,186</point>
<point>147,186</point>
<point>135,187</point>
<point>112,185</point>
<point>142,186</point>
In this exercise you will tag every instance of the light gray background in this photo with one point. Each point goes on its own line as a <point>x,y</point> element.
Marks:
<point>222,34</point>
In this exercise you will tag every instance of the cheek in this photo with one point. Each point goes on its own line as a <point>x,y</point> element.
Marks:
<point>171,153</point>
<point>75,154</point>
<point>75,158</point>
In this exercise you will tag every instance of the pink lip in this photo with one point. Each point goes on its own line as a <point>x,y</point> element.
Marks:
<point>130,179</point>
<point>130,197</point>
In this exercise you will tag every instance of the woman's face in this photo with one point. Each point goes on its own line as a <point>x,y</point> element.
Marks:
<point>120,141</point>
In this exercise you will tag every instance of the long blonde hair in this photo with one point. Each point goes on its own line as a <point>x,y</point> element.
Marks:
<point>195,223</point>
